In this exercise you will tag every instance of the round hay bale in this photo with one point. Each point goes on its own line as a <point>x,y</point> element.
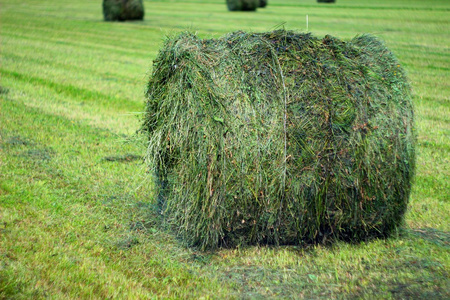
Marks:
<point>263,3</point>
<point>242,5</point>
<point>123,10</point>
<point>326,1</point>
<point>279,138</point>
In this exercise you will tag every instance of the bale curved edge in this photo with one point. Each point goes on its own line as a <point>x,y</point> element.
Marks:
<point>279,138</point>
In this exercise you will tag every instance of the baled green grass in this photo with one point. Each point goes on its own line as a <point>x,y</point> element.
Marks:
<point>75,214</point>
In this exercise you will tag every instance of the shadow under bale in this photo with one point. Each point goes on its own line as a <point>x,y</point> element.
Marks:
<point>279,138</point>
<point>123,10</point>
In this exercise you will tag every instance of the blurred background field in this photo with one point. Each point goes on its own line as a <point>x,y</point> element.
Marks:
<point>75,215</point>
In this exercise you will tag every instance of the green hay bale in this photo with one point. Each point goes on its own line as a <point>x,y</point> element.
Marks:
<point>123,10</point>
<point>279,138</point>
<point>263,3</point>
<point>242,5</point>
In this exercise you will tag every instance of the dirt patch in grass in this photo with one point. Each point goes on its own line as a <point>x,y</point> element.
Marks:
<point>42,154</point>
<point>14,141</point>
<point>123,158</point>
<point>126,243</point>
<point>30,149</point>
<point>18,141</point>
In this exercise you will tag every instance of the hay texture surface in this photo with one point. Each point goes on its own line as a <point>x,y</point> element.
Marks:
<point>279,138</point>
<point>243,5</point>
<point>123,10</point>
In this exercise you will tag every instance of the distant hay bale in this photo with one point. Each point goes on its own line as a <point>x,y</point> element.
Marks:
<point>263,3</point>
<point>326,1</point>
<point>279,138</point>
<point>242,5</point>
<point>123,10</point>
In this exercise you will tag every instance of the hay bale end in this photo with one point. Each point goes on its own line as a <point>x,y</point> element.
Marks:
<point>243,5</point>
<point>123,10</point>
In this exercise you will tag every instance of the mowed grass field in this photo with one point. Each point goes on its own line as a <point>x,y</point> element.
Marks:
<point>75,198</point>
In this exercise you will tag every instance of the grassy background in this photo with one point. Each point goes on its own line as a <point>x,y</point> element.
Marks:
<point>75,197</point>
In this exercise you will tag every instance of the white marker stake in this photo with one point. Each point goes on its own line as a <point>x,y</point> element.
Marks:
<point>307,25</point>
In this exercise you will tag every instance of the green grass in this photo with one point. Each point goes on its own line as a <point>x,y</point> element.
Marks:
<point>74,224</point>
